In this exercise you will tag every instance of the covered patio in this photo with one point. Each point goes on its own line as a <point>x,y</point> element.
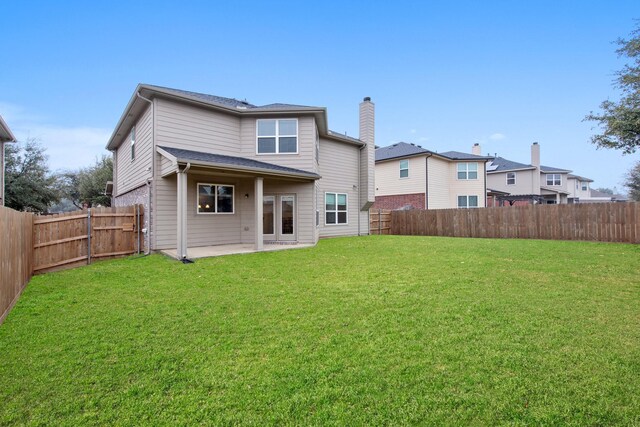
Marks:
<point>233,249</point>
<point>219,205</point>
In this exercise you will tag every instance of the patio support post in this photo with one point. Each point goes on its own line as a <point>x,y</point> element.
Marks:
<point>259,185</point>
<point>182,215</point>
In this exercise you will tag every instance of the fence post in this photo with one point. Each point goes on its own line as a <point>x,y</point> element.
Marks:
<point>138,228</point>
<point>379,222</point>
<point>88,236</point>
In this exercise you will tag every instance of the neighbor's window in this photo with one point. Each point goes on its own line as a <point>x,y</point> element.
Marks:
<point>277,136</point>
<point>511,178</point>
<point>585,185</point>
<point>215,198</point>
<point>467,201</point>
<point>404,168</point>
<point>554,179</point>
<point>132,136</point>
<point>467,170</point>
<point>335,208</point>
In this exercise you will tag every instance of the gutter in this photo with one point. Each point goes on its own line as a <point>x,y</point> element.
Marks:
<point>426,181</point>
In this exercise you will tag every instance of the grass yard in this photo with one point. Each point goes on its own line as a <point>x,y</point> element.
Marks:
<point>374,330</point>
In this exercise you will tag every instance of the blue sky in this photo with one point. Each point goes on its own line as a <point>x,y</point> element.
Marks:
<point>444,75</point>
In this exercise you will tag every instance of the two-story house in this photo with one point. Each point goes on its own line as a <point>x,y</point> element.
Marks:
<point>409,176</point>
<point>213,171</point>
<point>528,183</point>
<point>579,188</point>
<point>5,136</point>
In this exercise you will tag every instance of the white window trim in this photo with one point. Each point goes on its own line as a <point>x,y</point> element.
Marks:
<point>584,186</point>
<point>477,171</point>
<point>467,198</point>
<point>277,137</point>
<point>132,139</point>
<point>215,199</point>
<point>402,169</point>
<point>514,178</point>
<point>553,179</point>
<point>336,210</point>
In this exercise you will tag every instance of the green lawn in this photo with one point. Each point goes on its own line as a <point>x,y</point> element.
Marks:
<point>374,330</point>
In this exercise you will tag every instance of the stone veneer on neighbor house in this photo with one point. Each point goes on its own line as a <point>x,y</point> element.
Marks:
<point>138,196</point>
<point>400,201</point>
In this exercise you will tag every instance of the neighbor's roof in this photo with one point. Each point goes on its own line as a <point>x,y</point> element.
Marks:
<point>618,197</point>
<point>137,106</point>
<point>403,149</point>
<point>579,178</point>
<point>550,169</point>
<point>500,164</point>
<point>238,163</point>
<point>5,132</point>
<point>457,155</point>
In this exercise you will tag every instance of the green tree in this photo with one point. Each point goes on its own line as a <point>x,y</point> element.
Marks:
<point>620,121</point>
<point>29,185</point>
<point>605,190</point>
<point>632,182</point>
<point>86,186</point>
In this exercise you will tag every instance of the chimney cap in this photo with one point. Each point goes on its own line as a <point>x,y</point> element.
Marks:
<point>535,143</point>
<point>367,99</point>
<point>476,144</point>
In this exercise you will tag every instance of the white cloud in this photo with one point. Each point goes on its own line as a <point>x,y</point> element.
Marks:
<point>412,131</point>
<point>497,137</point>
<point>67,147</point>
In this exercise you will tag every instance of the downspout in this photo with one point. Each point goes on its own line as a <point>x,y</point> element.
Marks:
<point>359,184</point>
<point>153,170</point>
<point>485,183</point>
<point>426,183</point>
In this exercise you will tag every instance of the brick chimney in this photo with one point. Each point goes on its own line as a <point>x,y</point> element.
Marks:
<point>476,149</point>
<point>367,154</point>
<point>535,161</point>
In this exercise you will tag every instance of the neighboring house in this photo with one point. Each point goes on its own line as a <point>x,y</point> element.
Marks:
<point>578,187</point>
<point>5,136</point>
<point>212,170</point>
<point>409,176</point>
<point>596,196</point>
<point>528,183</point>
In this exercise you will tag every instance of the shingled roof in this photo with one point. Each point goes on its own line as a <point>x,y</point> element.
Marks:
<point>230,102</point>
<point>403,149</point>
<point>196,157</point>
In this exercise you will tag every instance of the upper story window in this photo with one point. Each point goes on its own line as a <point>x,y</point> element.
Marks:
<point>132,137</point>
<point>511,178</point>
<point>277,136</point>
<point>404,168</point>
<point>467,170</point>
<point>467,201</point>
<point>215,198</point>
<point>554,179</point>
<point>585,185</point>
<point>335,208</point>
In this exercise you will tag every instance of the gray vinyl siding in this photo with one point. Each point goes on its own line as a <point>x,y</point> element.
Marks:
<point>129,173</point>
<point>305,212</point>
<point>192,128</point>
<point>165,213</point>
<point>339,171</point>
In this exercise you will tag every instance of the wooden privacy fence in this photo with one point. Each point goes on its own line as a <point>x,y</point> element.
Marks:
<point>604,222</point>
<point>379,221</point>
<point>16,256</point>
<point>76,238</point>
